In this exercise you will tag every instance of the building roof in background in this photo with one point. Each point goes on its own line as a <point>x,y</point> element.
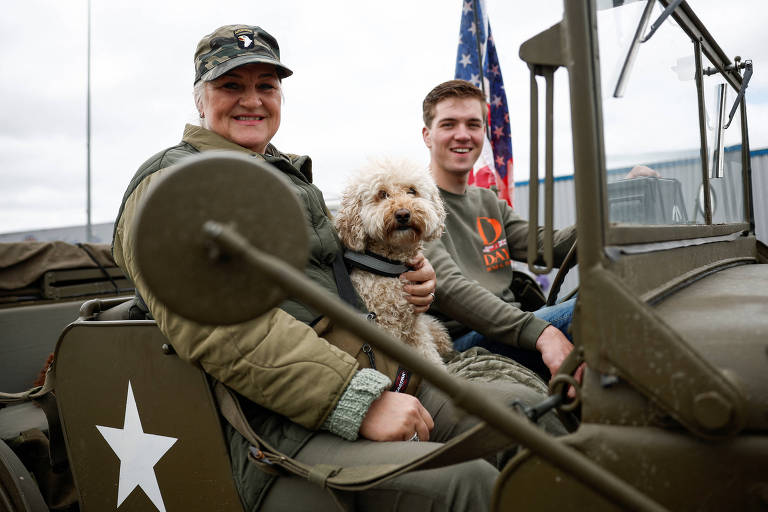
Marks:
<point>102,233</point>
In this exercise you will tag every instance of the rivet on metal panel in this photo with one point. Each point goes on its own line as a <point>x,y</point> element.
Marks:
<point>608,381</point>
<point>711,410</point>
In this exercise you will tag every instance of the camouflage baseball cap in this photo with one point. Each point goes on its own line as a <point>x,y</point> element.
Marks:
<point>231,46</point>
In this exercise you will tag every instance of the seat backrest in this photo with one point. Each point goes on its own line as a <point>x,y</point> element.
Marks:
<point>140,424</point>
<point>28,335</point>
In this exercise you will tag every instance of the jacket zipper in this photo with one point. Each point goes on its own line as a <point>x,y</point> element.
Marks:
<point>366,347</point>
<point>369,352</point>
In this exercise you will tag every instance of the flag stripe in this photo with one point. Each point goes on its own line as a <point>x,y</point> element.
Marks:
<point>476,39</point>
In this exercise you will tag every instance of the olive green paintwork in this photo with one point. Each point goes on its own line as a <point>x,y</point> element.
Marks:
<point>94,361</point>
<point>712,477</point>
<point>672,321</point>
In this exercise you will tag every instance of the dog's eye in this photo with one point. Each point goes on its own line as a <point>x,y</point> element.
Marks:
<point>383,194</point>
<point>412,191</point>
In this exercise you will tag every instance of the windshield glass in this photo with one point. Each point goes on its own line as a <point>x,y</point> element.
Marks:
<point>652,137</point>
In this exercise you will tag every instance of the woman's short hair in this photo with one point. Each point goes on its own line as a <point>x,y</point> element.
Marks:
<point>197,92</point>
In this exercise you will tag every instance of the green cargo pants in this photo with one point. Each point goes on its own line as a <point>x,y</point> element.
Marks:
<point>460,487</point>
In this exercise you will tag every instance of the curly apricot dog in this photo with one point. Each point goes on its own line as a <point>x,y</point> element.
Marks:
<point>387,211</point>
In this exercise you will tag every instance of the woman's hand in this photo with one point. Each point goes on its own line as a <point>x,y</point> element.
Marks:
<point>420,283</point>
<point>396,417</point>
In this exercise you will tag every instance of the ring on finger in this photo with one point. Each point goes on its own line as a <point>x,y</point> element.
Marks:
<point>433,295</point>
<point>415,437</point>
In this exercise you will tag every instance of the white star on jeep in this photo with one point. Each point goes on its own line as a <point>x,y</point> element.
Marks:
<point>138,453</point>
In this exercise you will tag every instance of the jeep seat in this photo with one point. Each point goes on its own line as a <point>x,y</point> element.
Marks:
<point>140,424</point>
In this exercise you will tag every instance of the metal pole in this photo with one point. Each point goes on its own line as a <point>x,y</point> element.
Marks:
<point>704,151</point>
<point>746,168</point>
<point>463,393</point>
<point>475,11</point>
<point>88,226</point>
<point>533,178</point>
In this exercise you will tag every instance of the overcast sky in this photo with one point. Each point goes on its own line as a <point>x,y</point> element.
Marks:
<point>361,70</point>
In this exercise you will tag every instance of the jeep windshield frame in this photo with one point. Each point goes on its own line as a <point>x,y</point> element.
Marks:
<point>597,231</point>
<point>628,271</point>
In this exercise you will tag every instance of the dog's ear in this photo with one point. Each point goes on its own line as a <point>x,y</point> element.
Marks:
<point>437,222</point>
<point>349,224</point>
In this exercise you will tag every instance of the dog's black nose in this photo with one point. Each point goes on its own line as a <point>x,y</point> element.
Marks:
<point>403,216</point>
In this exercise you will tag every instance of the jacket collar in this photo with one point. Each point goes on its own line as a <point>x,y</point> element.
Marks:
<point>205,140</point>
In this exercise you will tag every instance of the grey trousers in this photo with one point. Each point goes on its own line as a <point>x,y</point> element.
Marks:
<point>460,487</point>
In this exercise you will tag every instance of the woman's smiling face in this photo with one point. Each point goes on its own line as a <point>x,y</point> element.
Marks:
<point>243,105</point>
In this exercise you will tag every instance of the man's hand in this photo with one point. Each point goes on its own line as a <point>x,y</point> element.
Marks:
<point>422,292</point>
<point>554,348</point>
<point>641,170</point>
<point>396,417</point>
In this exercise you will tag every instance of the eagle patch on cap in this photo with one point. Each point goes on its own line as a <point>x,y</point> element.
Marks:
<point>231,46</point>
<point>244,38</point>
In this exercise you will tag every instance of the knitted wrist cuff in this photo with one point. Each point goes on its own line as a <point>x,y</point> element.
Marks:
<point>365,387</point>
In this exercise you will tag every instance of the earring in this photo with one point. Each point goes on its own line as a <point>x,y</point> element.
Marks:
<point>202,115</point>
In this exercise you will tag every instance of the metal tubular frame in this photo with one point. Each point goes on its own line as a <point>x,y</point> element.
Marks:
<point>703,132</point>
<point>746,168</point>
<point>548,73</point>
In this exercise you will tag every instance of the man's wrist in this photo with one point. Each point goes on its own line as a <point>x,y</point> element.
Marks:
<point>531,333</point>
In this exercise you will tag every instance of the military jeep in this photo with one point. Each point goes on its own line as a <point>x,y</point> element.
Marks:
<point>670,317</point>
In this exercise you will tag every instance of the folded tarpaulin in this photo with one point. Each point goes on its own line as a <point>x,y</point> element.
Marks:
<point>23,263</point>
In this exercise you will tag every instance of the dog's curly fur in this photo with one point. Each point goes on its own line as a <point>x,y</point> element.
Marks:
<point>390,208</point>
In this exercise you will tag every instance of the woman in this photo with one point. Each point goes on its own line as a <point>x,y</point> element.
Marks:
<point>303,395</point>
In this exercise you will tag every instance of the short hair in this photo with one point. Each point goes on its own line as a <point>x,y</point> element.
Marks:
<point>198,90</point>
<point>449,89</point>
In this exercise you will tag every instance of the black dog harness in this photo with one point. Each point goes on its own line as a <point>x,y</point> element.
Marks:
<point>375,263</point>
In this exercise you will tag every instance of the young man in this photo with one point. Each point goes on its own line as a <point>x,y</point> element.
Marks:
<point>483,234</point>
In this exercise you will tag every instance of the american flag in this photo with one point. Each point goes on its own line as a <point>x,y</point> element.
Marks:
<point>475,40</point>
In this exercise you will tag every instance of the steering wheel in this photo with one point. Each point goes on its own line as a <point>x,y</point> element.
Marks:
<point>568,263</point>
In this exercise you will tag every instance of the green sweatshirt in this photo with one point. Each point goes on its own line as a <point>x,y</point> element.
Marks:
<point>473,263</point>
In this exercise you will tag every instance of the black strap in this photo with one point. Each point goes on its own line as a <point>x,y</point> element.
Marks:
<point>46,399</point>
<point>375,263</point>
<point>347,292</point>
<point>57,449</point>
<point>344,283</point>
<point>101,267</point>
<point>474,443</point>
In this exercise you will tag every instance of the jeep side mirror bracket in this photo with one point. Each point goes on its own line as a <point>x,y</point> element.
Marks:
<point>543,53</point>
